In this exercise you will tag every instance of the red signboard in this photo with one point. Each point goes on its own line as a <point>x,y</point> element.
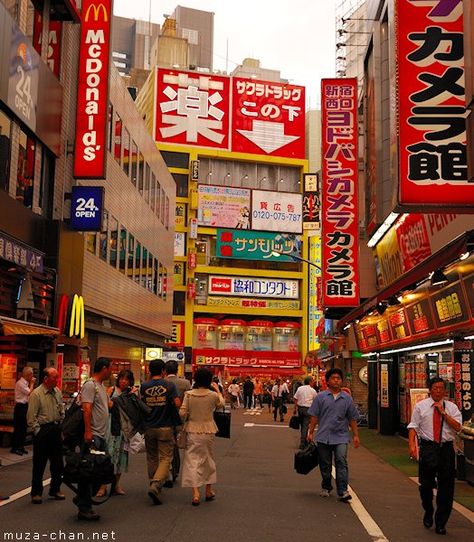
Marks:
<point>268,118</point>
<point>413,240</point>
<point>340,223</point>
<point>243,358</point>
<point>192,108</point>
<point>54,41</point>
<point>92,91</point>
<point>431,105</point>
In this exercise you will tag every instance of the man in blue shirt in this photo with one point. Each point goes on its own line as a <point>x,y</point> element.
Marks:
<point>161,396</point>
<point>333,411</point>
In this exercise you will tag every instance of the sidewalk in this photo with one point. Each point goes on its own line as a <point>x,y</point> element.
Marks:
<point>394,451</point>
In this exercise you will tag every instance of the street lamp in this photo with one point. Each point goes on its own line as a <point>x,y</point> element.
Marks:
<point>277,254</point>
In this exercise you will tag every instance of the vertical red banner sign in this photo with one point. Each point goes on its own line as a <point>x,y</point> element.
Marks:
<point>340,221</point>
<point>431,106</point>
<point>54,41</point>
<point>92,90</point>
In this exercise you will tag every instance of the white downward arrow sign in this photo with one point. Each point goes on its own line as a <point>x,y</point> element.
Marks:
<point>269,136</point>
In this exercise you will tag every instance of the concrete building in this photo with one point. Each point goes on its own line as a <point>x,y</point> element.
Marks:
<point>251,68</point>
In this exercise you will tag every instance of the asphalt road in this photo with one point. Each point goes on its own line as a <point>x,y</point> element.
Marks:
<point>259,497</point>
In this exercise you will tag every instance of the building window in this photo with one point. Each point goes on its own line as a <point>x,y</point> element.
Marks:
<point>131,254</point>
<point>144,267</point>
<point>152,191</point>
<point>179,302</point>
<point>126,152</point>
<point>110,126</point>
<point>181,184</point>
<point>163,206</point>
<point>134,163</point>
<point>176,159</point>
<point>147,183</point>
<point>103,237</point>
<point>167,213</point>
<point>118,139</point>
<point>141,165</point>
<point>91,243</point>
<point>47,184</point>
<point>113,242</point>
<point>138,260</point>
<point>155,276</point>
<point>26,170</point>
<point>5,145</point>
<point>158,199</point>
<point>123,250</point>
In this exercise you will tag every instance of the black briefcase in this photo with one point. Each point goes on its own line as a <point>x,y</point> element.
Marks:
<point>222,419</point>
<point>307,459</point>
<point>294,422</point>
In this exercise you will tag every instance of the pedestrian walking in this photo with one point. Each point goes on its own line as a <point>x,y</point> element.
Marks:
<point>279,394</point>
<point>247,388</point>
<point>303,399</point>
<point>258,394</point>
<point>23,388</point>
<point>161,396</point>
<point>182,385</point>
<point>333,411</point>
<point>95,408</point>
<point>234,390</point>
<point>197,412</point>
<point>45,414</point>
<point>435,422</point>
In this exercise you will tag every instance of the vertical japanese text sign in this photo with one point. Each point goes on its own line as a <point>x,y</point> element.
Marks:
<point>431,105</point>
<point>340,230</point>
<point>192,109</point>
<point>92,92</point>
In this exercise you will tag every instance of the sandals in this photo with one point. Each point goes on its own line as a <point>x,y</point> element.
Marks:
<point>196,501</point>
<point>211,496</point>
<point>102,492</point>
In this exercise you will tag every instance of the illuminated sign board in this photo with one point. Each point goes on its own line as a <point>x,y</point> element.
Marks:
<point>87,206</point>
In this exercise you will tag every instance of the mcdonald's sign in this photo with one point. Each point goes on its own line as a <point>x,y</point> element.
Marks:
<point>92,91</point>
<point>70,319</point>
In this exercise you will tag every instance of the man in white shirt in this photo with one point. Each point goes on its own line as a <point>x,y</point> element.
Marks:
<point>234,390</point>
<point>279,393</point>
<point>303,399</point>
<point>23,388</point>
<point>435,422</point>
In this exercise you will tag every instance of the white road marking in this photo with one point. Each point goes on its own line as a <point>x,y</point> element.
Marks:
<point>457,506</point>
<point>22,493</point>
<point>368,522</point>
<point>248,424</point>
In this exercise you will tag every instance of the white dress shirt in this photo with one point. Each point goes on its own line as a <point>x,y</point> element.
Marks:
<point>279,390</point>
<point>305,395</point>
<point>422,420</point>
<point>22,391</point>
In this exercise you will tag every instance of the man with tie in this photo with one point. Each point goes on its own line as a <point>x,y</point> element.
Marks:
<point>435,422</point>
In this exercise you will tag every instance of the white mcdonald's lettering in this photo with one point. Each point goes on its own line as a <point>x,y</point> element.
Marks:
<point>93,79</point>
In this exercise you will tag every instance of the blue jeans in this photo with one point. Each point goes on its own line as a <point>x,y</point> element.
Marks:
<point>325,464</point>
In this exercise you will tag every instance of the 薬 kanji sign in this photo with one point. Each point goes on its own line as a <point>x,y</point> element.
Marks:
<point>192,109</point>
<point>340,228</point>
<point>431,105</point>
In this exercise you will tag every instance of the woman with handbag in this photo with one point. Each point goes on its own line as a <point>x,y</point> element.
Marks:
<point>197,413</point>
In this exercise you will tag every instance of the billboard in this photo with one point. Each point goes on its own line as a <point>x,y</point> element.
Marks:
<point>340,217</point>
<point>223,206</point>
<point>277,211</point>
<point>431,106</point>
<point>255,287</point>
<point>192,109</point>
<point>250,245</point>
<point>268,118</point>
<point>311,202</point>
<point>92,90</point>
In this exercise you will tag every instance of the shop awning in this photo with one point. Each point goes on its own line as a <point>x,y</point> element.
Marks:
<point>12,326</point>
<point>408,280</point>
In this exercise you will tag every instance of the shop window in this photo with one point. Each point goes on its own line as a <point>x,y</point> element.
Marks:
<point>134,164</point>
<point>138,261</point>
<point>179,302</point>
<point>46,193</point>
<point>202,252</point>
<point>26,170</point>
<point>152,191</point>
<point>91,243</point>
<point>144,278</point>
<point>123,250</point>
<point>104,237</point>
<point>181,181</point>
<point>147,182</point>
<point>158,199</point>
<point>126,152</point>
<point>176,159</point>
<point>141,165</point>
<point>118,139</point>
<point>113,242</point>
<point>178,273</point>
<point>5,145</point>
<point>110,127</point>
<point>131,254</point>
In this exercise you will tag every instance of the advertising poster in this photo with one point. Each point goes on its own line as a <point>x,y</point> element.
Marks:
<point>8,370</point>
<point>464,377</point>
<point>256,287</point>
<point>223,207</point>
<point>257,245</point>
<point>277,211</point>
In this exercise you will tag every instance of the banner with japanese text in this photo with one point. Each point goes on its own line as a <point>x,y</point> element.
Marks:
<point>192,108</point>
<point>257,245</point>
<point>277,211</point>
<point>268,118</point>
<point>223,206</point>
<point>464,377</point>
<point>340,221</point>
<point>431,106</point>
<point>256,287</point>
<point>315,313</point>
<point>311,202</point>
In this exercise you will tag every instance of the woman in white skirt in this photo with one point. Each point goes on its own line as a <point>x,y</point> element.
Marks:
<point>197,412</point>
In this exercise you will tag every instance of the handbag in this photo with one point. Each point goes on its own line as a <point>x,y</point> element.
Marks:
<point>294,422</point>
<point>306,459</point>
<point>182,439</point>
<point>222,420</point>
<point>136,444</point>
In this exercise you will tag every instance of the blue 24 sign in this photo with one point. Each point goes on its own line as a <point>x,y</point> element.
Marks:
<point>87,207</point>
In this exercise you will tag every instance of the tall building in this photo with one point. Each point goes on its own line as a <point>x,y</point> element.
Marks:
<point>72,290</point>
<point>251,68</point>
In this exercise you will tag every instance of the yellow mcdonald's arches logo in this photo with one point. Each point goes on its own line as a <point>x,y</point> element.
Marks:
<point>97,9</point>
<point>77,321</point>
